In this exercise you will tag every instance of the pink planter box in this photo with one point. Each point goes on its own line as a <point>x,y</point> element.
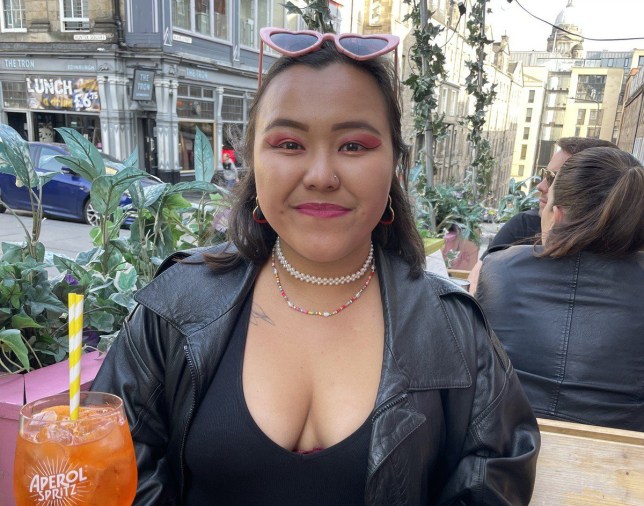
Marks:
<point>18,389</point>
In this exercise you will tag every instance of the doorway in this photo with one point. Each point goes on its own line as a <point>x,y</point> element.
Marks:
<point>148,158</point>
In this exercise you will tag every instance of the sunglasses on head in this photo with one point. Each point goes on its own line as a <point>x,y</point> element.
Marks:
<point>547,175</point>
<point>358,47</point>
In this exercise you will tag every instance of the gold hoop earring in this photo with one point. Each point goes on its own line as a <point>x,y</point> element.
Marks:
<point>258,216</point>
<point>391,210</point>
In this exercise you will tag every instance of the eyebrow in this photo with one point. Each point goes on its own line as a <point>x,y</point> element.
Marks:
<point>361,125</point>
<point>347,125</point>
<point>284,122</point>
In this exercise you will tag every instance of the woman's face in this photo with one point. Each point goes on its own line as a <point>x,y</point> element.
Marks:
<point>323,160</point>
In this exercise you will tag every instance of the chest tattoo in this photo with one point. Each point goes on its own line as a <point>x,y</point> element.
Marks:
<point>258,315</point>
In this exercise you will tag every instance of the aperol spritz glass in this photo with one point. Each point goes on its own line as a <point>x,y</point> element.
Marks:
<point>63,462</point>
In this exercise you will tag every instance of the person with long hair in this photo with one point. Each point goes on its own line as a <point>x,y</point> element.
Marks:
<point>310,359</point>
<point>569,313</point>
<point>525,227</point>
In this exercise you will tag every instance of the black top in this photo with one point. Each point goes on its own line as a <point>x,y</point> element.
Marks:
<point>232,462</point>
<point>520,229</point>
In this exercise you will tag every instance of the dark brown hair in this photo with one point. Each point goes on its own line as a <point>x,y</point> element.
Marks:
<point>601,191</point>
<point>254,241</point>
<point>574,145</point>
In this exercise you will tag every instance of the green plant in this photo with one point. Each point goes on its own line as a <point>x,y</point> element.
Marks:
<point>429,68</point>
<point>518,199</point>
<point>480,170</point>
<point>167,222</point>
<point>85,159</point>
<point>15,160</point>
<point>315,13</point>
<point>32,330</point>
<point>33,320</point>
<point>452,204</point>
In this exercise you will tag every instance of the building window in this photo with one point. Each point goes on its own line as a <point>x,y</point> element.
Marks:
<point>253,14</point>
<point>640,61</point>
<point>13,16</point>
<point>195,102</point>
<point>74,15</point>
<point>524,151</point>
<point>204,17</point>
<point>591,88</point>
<point>181,14</point>
<point>442,107</point>
<point>203,12</point>
<point>232,108</point>
<point>375,13</point>
<point>577,131</point>
<point>14,94</point>
<point>596,116</point>
<point>526,133</point>
<point>281,17</point>
<point>531,97</point>
<point>528,115</point>
<point>581,116</point>
<point>521,170</point>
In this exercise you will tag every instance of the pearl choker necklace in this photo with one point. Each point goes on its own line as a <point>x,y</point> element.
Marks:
<point>316,280</point>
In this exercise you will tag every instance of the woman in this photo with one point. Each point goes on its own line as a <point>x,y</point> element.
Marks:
<point>311,361</point>
<point>231,176</point>
<point>569,313</point>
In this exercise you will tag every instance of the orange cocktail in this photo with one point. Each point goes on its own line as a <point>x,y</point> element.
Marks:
<point>86,461</point>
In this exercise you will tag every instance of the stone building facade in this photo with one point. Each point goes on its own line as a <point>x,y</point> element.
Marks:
<point>134,73</point>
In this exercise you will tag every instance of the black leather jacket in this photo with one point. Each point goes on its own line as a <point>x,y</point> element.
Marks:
<point>574,330</point>
<point>451,424</point>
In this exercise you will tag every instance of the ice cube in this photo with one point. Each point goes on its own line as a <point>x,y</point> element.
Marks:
<point>45,416</point>
<point>60,433</point>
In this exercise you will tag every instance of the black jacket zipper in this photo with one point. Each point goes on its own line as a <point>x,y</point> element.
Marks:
<point>191,367</point>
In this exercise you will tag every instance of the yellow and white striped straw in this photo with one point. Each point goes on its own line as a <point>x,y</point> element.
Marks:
<point>75,303</point>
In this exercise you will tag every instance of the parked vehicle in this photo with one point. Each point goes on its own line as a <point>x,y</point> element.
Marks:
<point>66,195</point>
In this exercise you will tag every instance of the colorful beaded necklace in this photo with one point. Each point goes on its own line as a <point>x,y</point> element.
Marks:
<point>320,313</point>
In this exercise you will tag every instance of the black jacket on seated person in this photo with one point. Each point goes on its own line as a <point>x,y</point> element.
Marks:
<point>451,423</point>
<point>574,330</point>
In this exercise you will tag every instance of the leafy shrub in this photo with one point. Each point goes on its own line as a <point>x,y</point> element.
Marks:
<point>33,308</point>
<point>518,199</point>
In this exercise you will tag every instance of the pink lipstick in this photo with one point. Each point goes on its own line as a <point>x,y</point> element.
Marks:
<point>320,210</point>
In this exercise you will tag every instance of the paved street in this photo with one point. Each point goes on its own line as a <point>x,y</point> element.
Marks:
<point>59,237</point>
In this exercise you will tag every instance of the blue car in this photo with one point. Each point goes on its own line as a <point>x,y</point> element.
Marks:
<point>64,196</point>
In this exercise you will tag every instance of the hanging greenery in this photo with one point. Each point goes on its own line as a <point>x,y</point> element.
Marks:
<point>424,85</point>
<point>315,13</point>
<point>480,171</point>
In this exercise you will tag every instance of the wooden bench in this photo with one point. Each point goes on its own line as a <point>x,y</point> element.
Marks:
<point>458,273</point>
<point>588,465</point>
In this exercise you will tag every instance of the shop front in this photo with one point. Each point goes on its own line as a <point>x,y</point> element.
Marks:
<point>215,103</point>
<point>38,98</point>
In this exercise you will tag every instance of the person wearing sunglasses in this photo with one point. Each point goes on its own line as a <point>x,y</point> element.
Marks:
<point>525,227</point>
<point>569,312</point>
<point>311,360</point>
